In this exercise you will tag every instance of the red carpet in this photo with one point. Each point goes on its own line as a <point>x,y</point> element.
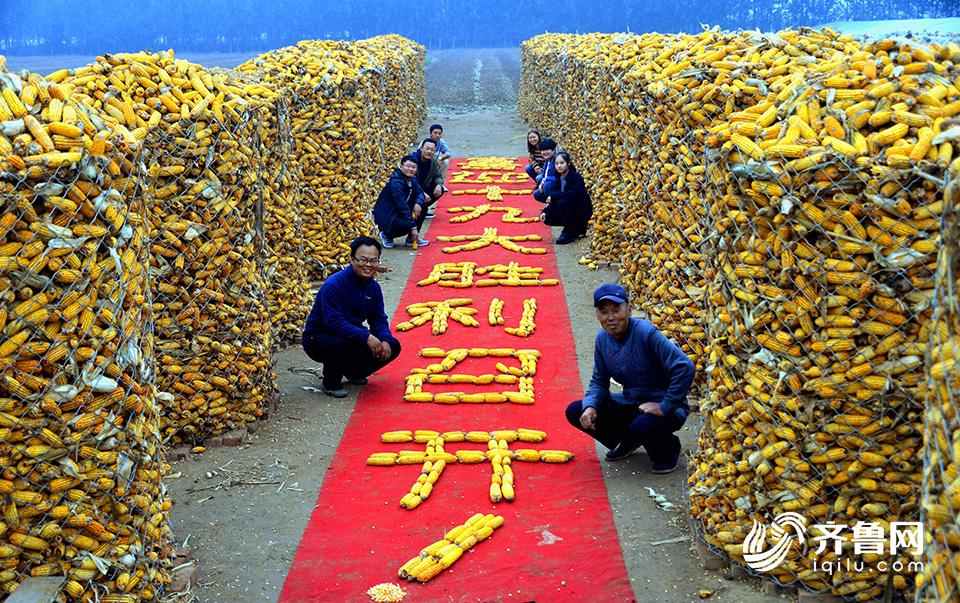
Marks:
<point>558,543</point>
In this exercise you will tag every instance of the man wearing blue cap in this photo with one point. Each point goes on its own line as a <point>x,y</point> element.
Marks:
<point>655,374</point>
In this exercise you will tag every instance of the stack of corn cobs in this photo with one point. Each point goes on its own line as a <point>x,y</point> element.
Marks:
<point>356,107</point>
<point>150,255</point>
<point>80,442</point>
<point>200,189</point>
<point>780,196</point>
<point>941,489</point>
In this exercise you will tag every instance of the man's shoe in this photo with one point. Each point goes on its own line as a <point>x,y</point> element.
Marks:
<point>357,380</point>
<point>666,466</point>
<point>420,242</point>
<point>387,243</point>
<point>565,238</point>
<point>336,392</point>
<point>620,452</point>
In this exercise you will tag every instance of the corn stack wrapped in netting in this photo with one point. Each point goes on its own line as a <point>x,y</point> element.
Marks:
<point>941,489</point>
<point>199,174</point>
<point>819,301</point>
<point>339,119</point>
<point>643,136</point>
<point>80,442</point>
<point>690,83</point>
<point>288,283</point>
<point>566,92</point>
<point>401,98</point>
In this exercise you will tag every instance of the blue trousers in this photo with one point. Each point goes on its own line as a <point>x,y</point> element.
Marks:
<point>620,422</point>
<point>530,172</point>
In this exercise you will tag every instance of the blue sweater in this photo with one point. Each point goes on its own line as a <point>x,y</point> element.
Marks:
<point>547,178</point>
<point>343,303</point>
<point>650,367</point>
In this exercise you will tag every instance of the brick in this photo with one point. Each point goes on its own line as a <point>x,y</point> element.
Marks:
<point>179,453</point>
<point>216,442</point>
<point>234,438</point>
<point>184,577</point>
<point>804,596</point>
<point>769,587</point>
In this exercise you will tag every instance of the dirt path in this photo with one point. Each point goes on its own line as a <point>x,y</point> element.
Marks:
<point>245,535</point>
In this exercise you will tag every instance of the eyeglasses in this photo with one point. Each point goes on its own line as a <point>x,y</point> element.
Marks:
<point>367,261</point>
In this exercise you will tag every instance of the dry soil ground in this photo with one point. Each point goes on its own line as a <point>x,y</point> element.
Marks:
<point>242,510</point>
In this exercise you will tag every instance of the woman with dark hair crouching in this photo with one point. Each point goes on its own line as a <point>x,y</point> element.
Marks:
<point>567,201</point>
<point>533,151</point>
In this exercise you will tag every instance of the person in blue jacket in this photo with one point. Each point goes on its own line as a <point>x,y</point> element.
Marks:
<point>543,178</point>
<point>567,201</point>
<point>401,206</point>
<point>335,334</point>
<point>655,374</point>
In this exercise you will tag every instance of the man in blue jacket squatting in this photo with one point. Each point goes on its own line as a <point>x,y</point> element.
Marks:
<point>335,334</point>
<point>655,374</point>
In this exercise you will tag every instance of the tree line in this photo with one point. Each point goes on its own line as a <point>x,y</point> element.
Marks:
<point>71,27</point>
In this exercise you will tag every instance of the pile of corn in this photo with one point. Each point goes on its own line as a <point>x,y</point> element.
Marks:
<point>790,184</point>
<point>81,452</point>
<point>340,120</point>
<point>827,223</point>
<point>288,282</point>
<point>566,93</point>
<point>940,580</point>
<point>199,178</point>
<point>641,144</point>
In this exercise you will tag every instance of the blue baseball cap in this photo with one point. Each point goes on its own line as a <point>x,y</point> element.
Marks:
<point>610,292</point>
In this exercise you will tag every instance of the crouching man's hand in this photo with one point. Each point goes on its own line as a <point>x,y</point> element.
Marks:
<point>588,420</point>
<point>375,346</point>
<point>651,408</point>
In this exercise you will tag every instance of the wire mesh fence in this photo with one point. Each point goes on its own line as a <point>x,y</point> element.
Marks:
<point>151,253</point>
<point>778,202</point>
<point>80,437</point>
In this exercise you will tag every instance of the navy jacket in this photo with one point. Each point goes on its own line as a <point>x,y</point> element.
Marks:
<point>342,305</point>
<point>428,172</point>
<point>393,210</point>
<point>570,203</point>
<point>650,367</point>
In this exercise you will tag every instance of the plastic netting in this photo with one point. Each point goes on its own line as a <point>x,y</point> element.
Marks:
<point>288,290</point>
<point>941,506</point>
<point>355,108</point>
<point>778,196</point>
<point>80,442</point>
<point>199,172</point>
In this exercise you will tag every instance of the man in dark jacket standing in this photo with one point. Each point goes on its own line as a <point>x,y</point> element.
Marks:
<point>656,376</point>
<point>401,207</point>
<point>335,334</point>
<point>429,173</point>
